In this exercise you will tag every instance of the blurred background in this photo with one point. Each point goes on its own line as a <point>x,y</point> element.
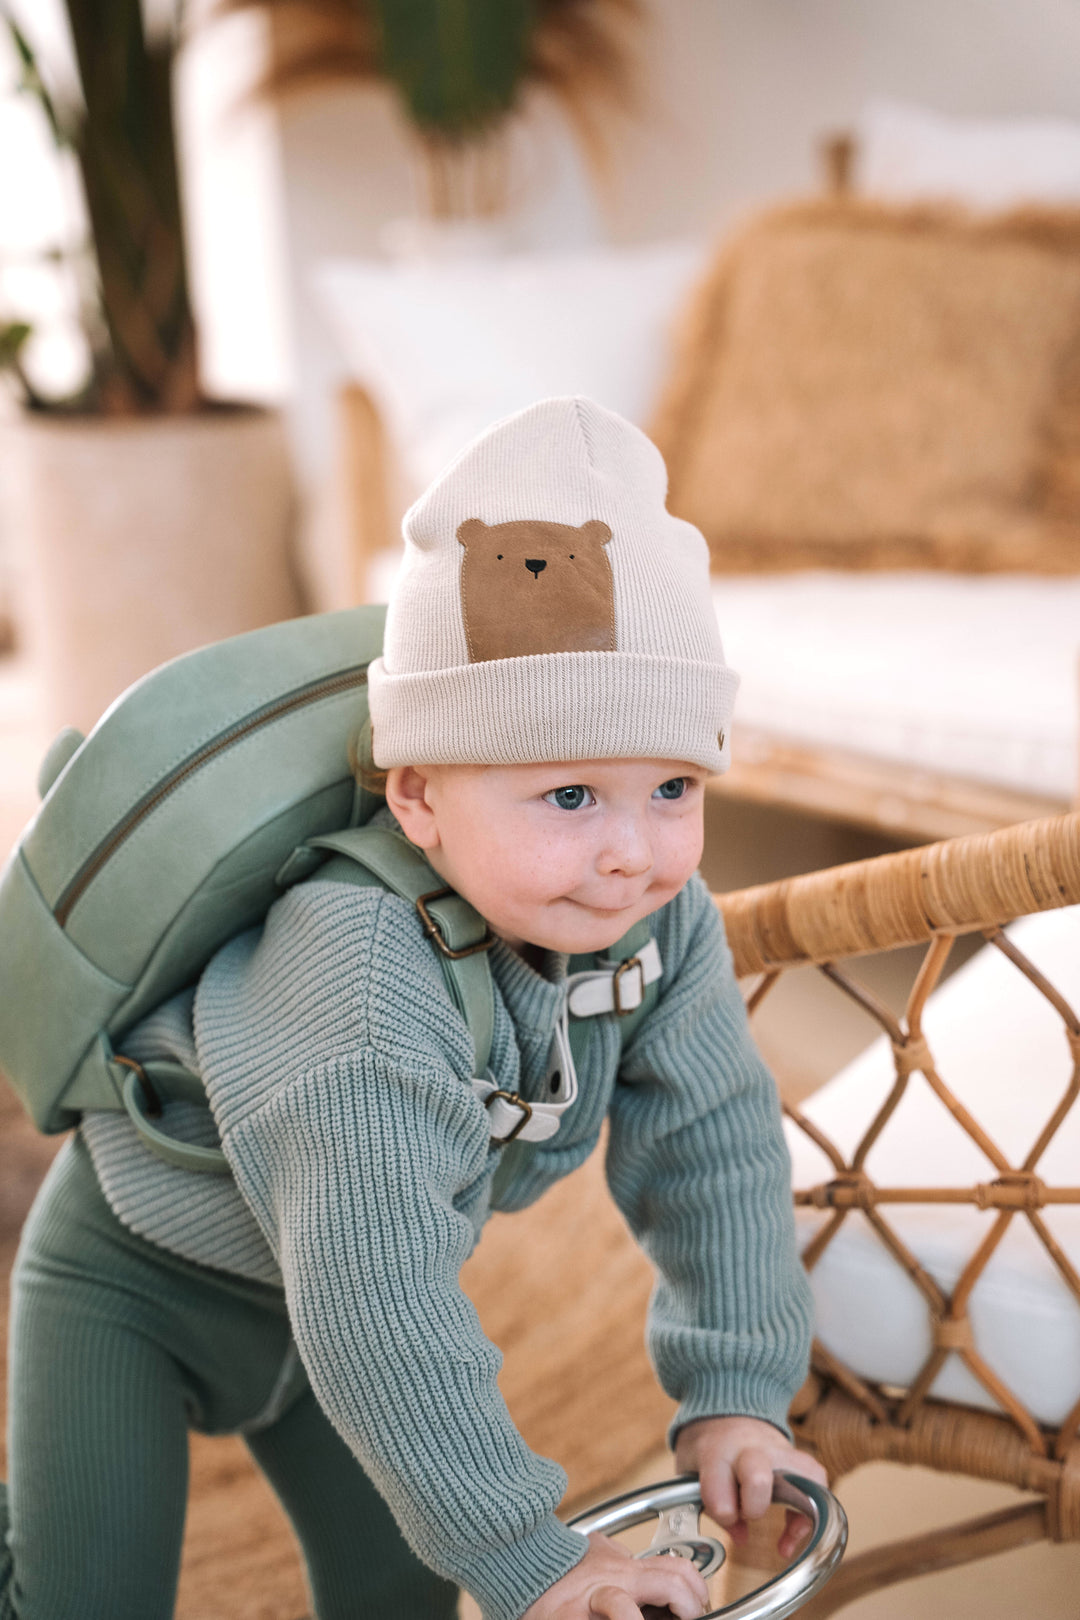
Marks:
<point>265,267</point>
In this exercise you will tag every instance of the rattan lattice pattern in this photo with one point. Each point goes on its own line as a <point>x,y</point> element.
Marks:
<point>930,895</point>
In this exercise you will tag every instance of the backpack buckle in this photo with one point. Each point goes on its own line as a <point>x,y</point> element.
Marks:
<point>149,1090</point>
<point>623,1009</point>
<point>434,931</point>
<point>518,1102</point>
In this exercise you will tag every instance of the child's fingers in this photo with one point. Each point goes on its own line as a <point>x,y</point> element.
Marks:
<point>796,1526</point>
<point>612,1603</point>
<point>720,1493</point>
<point>673,1582</point>
<point>659,1592</point>
<point>754,1477</point>
<point>795,1531</point>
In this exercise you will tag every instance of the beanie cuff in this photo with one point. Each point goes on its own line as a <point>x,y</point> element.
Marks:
<point>554,706</point>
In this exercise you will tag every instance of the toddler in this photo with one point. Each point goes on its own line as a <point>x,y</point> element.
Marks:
<point>551,700</point>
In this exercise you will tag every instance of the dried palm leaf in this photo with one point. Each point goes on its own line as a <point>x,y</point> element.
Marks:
<point>461,69</point>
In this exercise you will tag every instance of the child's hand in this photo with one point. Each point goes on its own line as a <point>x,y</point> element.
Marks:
<point>735,1458</point>
<point>609,1584</point>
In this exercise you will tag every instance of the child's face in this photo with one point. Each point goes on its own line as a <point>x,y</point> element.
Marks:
<point>566,857</point>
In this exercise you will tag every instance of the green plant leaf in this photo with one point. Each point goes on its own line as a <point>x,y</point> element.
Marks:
<point>13,334</point>
<point>457,63</point>
<point>30,80</point>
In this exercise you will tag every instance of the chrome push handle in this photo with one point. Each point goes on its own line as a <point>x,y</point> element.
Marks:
<point>676,1505</point>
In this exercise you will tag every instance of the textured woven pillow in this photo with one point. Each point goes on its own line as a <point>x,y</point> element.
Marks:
<point>864,387</point>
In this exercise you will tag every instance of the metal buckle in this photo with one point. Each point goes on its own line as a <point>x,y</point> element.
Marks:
<point>616,988</point>
<point>149,1091</point>
<point>436,935</point>
<point>519,1102</point>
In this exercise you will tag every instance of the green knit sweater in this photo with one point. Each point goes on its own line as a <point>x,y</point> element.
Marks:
<point>338,1069</point>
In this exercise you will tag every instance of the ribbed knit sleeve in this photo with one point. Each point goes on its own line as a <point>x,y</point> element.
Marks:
<point>368,1171</point>
<point>698,1165</point>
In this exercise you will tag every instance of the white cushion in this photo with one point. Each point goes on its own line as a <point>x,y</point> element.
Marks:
<point>446,348</point>
<point>972,676</point>
<point>907,153</point>
<point>1002,1050</point>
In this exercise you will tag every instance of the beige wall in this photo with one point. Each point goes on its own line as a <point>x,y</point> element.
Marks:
<point>743,88</point>
<point>737,93</point>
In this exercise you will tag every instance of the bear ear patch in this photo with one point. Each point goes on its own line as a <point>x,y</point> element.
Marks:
<point>472,530</point>
<point>594,532</point>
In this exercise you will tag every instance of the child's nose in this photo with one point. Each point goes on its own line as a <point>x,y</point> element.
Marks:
<point>536,565</point>
<point>628,850</point>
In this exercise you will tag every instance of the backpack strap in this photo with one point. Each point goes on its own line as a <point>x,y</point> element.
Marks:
<point>112,1081</point>
<point>459,934</point>
<point>361,855</point>
<point>462,938</point>
<point>146,1087</point>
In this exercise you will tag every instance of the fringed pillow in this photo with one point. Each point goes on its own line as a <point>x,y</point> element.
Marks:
<point>865,387</point>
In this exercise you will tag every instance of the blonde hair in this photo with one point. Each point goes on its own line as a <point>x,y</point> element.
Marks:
<point>369,776</point>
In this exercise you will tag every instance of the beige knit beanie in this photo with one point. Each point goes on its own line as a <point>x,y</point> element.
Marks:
<point>549,607</point>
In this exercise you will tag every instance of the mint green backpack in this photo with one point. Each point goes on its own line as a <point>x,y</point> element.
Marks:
<point>209,787</point>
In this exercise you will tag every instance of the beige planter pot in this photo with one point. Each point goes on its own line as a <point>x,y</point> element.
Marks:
<point>138,539</point>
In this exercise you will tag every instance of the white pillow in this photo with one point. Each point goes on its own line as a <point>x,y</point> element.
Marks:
<point>1001,1048</point>
<point>906,153</point>
<point>446,348</point>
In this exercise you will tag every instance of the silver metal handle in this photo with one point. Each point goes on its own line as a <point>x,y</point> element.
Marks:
<point>778,1597</point>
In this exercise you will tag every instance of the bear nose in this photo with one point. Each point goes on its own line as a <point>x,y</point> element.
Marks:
<point>536,564</point>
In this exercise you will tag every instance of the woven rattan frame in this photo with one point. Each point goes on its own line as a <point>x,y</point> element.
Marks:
<point>928,895</point>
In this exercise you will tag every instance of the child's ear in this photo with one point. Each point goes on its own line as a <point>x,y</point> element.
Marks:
<point>407,797</point>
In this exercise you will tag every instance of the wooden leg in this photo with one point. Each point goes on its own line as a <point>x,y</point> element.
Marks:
<point>922,1555</point>
<point>363,468</point>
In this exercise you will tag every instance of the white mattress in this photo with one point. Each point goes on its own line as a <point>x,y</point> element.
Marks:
<point>975,676</point>
<point>1002,1049</point>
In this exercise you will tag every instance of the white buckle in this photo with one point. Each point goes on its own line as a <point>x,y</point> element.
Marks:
<point>515,1101</point>
<point>623,1007</point>
<point>511,1116</point>
<point>612,989</point>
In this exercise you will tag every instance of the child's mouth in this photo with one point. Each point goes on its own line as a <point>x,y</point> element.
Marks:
<point>608,911</point>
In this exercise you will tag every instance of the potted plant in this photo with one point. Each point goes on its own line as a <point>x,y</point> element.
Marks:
<point>147,518</point>
<point>461,74</point>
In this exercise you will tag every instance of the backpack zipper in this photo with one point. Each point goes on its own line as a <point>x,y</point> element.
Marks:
<point>329,686</point>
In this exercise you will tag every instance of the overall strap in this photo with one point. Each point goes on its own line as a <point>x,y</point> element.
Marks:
<point>614,969</point>
<point>459,934</point>
<point>625,979</point>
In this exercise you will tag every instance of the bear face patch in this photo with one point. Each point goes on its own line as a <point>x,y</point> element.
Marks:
<point>532,587</point>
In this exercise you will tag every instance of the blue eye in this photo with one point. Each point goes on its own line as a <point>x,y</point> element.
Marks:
<point>570,798</point>
<point>673,789</point>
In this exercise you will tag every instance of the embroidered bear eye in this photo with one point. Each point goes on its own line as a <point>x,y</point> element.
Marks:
<point>499,557</point>
<point>570,798</point>
<point>673,789</point>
